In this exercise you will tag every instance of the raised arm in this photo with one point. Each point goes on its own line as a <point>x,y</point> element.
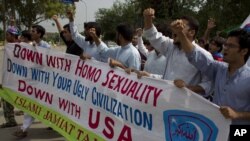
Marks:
<point>76,36</point>
<point>149,15</point>
<point>210,26</point>
<point>157,40</point>
<point>58,24</point>
<point>141,46</point>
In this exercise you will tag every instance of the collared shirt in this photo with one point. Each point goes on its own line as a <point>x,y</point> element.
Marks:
<point>156,63</point>
<point>43,44</point>
<point>232,91</point>
<point>128,55</point>
<point>177,64</point>
<point>72,47</point>
<point>88,48</point>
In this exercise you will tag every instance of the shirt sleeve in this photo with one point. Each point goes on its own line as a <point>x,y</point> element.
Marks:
<point>204,63</point>
<point>141,47</point>
<point>106,52</point>
<point>76,36</point>
<point>157,40</point>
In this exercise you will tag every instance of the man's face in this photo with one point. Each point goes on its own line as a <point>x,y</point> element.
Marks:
<point>213,47</point>
<point>232,51</point>
<point>34,34</point>
<point>67,34</point>
<point>134,40</point>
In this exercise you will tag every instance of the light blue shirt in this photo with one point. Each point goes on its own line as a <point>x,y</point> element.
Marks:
<point>128,55</point>
<point>232,91</point>
<point>88,48</point>
<point>177,64</point>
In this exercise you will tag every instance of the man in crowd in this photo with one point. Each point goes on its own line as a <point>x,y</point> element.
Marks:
<point>8,110</point>
<point>177,66</point>
<point>37,33</point>
<point>65,34</point>
<point>127,55</point>
<point>86,42</point>
<point>232,91</point>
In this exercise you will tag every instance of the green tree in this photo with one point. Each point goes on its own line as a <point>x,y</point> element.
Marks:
<point>28,12</point>
<point>110,18</point>
<point>227,13</point>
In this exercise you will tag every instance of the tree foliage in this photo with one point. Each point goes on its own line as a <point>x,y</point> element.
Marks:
<point>28,12</point>
<point>227,13</point>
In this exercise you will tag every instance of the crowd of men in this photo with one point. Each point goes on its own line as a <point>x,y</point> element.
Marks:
<point>215,68</point>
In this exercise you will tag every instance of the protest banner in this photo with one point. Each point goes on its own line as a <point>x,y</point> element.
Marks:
<point>88,100</point>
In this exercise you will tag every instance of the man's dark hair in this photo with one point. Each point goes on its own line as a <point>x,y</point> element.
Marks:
<point>39,29</point>
<point>126,31</point>
<point>219,41</point>
<point>26,34</point>
<point>66,26</point>
<point>94,25</point>
<point>243,38</point>
<point>192,23</point>
<point>164,28</point>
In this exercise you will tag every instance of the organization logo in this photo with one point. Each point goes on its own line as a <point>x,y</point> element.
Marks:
<point>187,126</point>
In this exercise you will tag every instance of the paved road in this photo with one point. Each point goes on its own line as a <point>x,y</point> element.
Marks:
<point>37,131</point>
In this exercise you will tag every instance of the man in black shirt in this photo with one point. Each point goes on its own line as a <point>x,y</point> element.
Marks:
<point>72,47</point>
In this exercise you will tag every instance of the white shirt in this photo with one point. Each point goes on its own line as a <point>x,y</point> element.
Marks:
<point>178,66</point>
<point>89,49</point>
<point>155,64</point>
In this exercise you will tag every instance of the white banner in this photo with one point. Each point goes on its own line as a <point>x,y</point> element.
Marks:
<point>108,102</point>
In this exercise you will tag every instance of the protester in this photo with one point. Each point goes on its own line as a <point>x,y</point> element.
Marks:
<point>37,34</point>
<point>156,62</point>
<point>135,44</point>
<point>177,66</point>
<point>8,110</point>
<point>86,42</point>
<point>126,54</point>
<point>231,80</point>
<point>65,34</point>
<point>215,47</point>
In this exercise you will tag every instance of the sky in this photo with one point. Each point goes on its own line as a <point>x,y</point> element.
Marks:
<point>85,11</point>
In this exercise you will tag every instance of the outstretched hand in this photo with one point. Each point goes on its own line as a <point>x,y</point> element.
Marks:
<point>177,26</point>
<point>179,83</point>
<point>54,17</point>
<point>211,23</point>
<point>85,56</point>
<point>149,13</point>
<point>114,63</point>
<point>228,112</point>
<point>92,33</point>
<point>139,32</point>
<point>140,74</point>
<point>70,15</point>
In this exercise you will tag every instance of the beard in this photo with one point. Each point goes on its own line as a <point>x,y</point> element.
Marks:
<point>88,38</point>
<point>177,43</point>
